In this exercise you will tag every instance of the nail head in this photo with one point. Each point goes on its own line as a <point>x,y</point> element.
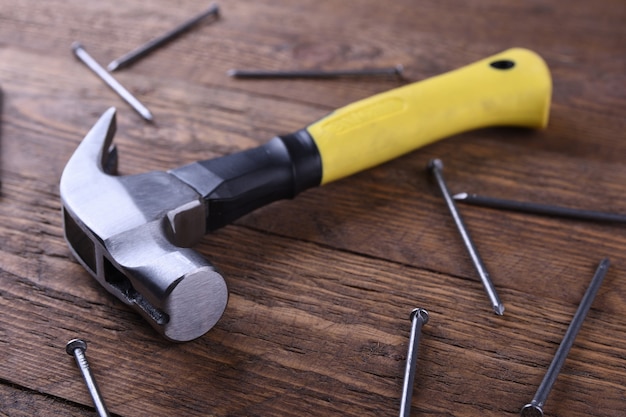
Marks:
<point>422,313</point>
<point>531,410</point>
<point>435,163</point>
<point>74,344</point>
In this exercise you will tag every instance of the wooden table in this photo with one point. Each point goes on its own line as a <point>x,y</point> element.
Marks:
<point>321,286</point>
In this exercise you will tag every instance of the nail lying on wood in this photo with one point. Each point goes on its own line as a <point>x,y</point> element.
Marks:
<point>236,73</point>
<point>418,317</point>
<point>77,348</point>
<point>91,63</point>
<point>535,407</point>
<point>436,168</point>
<point>536,208</point>
<point>155,43</point>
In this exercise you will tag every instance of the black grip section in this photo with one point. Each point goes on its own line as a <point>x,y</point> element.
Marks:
<point>247,180</point>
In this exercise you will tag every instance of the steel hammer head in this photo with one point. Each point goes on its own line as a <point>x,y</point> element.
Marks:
<point>133,233</point>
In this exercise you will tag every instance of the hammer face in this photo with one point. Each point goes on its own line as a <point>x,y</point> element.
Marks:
<point>131,233</point>
<point>175,289</point>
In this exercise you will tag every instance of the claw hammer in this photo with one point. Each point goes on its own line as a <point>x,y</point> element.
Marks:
<point>134,233</point>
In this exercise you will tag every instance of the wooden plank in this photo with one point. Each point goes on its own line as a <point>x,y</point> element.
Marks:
<point>321,286</point>
<point>18,402</point>
<point>275,322</point>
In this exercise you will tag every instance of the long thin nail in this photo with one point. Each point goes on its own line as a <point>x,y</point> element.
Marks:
<point>157,42</point>
<point>436,167</point>
<point>91,63</point>
<point>236,73</point>
<point>535,407</point>
<point>536,208</point>
<point>77,348</point>
<point>418,317</point>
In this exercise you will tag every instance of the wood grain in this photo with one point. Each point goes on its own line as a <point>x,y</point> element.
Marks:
<point>320,286</point>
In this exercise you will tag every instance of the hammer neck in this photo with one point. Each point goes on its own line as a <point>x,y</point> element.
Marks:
<point>237,184</point>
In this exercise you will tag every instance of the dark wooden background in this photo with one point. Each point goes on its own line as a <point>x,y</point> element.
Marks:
<point>320,286</point>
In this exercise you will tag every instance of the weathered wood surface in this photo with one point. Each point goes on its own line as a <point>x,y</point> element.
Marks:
<point>321,286</point>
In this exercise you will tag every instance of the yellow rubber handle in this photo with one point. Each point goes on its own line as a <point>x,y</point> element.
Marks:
<point>512,88</point>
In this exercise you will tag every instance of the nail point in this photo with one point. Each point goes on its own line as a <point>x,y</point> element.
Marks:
<point>499,309</point>
<point>113,65</point>
<point>146,114</point>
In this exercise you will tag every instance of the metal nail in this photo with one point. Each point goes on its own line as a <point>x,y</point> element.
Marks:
<point>535,407</point>
<point>536,208</point>
<point>91,63</point>
<point>436,167</point>
<point>77,348</point>
<point>418,317</point>
<point>155,43</point>
<point>236,73</point>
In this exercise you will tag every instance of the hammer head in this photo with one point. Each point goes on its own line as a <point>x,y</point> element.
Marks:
<point>133,233</point>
